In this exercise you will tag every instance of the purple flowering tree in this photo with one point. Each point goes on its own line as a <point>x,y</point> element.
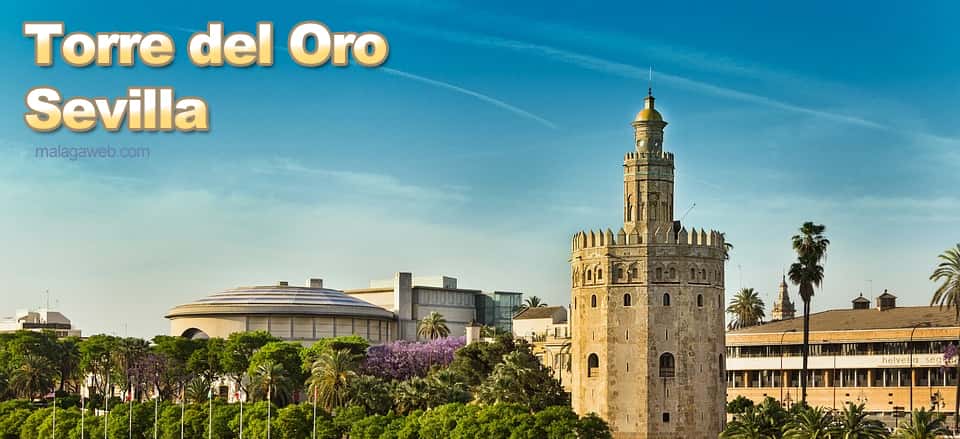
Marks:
<point>401,360</point>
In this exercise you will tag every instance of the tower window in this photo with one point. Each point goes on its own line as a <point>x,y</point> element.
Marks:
<point>589,275</point>
<point>593,301</point>
<point>593,365</point>
<point>619,273</point>
<point>693,274</point>
<point>700,300</point>
<point>666,299</point>
<point>666,417</point>
<point>667,365</point>
<point>626,299</point>
<point>659,273</point>
<point>673,273</point>
<point>599,274</point>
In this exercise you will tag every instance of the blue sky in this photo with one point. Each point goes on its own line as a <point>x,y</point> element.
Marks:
<point>493,133</point>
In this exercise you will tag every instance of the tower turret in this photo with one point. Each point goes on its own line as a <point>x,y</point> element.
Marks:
<point>783,308</point>
<point>648,176</point>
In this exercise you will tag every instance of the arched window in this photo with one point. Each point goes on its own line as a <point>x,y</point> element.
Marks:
<point>633,272</point>
<point>667,365</point>
<point>589,275</point>
<point>703,274</point>
<point>593,301</point>
<point>626,299</point>
<point>629,207</point>
<point>673,273</point>
<point>593,365</point>
<point>693,274</point>
<point>599,274</point>
<point>659,273</point>
<point>666,299</point>
<point>700,300</point>
<point>619,273</point>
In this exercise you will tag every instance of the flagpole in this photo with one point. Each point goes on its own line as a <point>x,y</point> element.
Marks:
<point>106,402</point>
<point>156,414</point>
<point>83,410</point>
<point>130,412</point>
<point>314,411</point>
<point>269,406</point>
<point>240,397</point>
<point>54,414</point>
<point>210,397</point>
<point>182,408</point>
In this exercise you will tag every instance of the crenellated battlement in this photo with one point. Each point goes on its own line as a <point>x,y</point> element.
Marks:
<point>637,155</point>
<point>600,238</point>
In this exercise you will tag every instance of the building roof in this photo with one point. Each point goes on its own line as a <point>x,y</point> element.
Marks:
<point>541,312</point>
<point>862,319</point>
<point>280,299</point>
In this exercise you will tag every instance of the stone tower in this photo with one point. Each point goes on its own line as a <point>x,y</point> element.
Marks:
<point>648,308</point>
<point>783,308</point>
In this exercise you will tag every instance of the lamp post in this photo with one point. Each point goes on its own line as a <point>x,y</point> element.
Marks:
<point>784,334</point>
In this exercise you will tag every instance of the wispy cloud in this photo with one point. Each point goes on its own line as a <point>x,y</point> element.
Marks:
<point>485,98</point>
<point>368,182</point>
<point>634,72</point>
<point>499,103</point>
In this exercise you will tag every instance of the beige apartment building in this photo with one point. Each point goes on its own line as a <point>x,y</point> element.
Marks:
<point>548,332</point>
<point>877,353</point>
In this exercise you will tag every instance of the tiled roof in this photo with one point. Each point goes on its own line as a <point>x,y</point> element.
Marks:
<point>542,312</point>
<point>280,299</point>
<point>862,319</point>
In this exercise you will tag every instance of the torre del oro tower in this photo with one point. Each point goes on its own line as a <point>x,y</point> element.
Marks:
<point>648,307</point>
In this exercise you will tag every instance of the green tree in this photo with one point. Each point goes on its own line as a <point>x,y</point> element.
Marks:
<point>371,393</point>
<point>439,422</point>
<point>294,421</point>
<point>433,326</point>
<point>286,355</point>
<point>923,425</point>
<point>331,376</point>
<point>270,379</point>
<point>592,426</point>
<point>174,354</point>
<point>522,379</point>
<point>376,427</point>
<point>746,309</point>
<point>492,421</point>
<point>557,422</point>
<point>739,405</point>
<point>30,429</point>
<point>205,360</point>
<point>762,421</point>
<point>239,349</point>
<point>811,247</point>
<point>532,302</point>
<point>853,423</point>
<point>11,422</point>
<point>947,295</point>
<point>33,378</point>
<point>96,359</point>
<point>474,362</point>
<point>344,418</point>
<point>810,423</point>
<point>356,344</point>
<point>67,360</point>
<point>67,420</point>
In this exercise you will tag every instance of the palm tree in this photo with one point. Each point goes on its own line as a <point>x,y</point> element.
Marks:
<point>34,377</point>
<point>807,273</point>
<point>433,326</point>
<point>810,423</point>
<point>948,295</point>
<point>331,376</point>
<point>271,378</point>
<point>746,307</point>
<point>853,423</point>
<point>532,302</point>
<point>923,425</point>
<point>755,423</point>
<point>726,246</point>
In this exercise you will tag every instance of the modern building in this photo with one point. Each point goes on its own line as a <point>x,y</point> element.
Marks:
<point>413,298</point>
<point>548,332</point>
<point>385,311</point>
<point>304,314</point>
<point>648,308</point>
<point>888,357</point>
<point>39,320</point>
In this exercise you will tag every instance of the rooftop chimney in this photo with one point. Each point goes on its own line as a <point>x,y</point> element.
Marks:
<point>316,282</point>
<point>283,283</point>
